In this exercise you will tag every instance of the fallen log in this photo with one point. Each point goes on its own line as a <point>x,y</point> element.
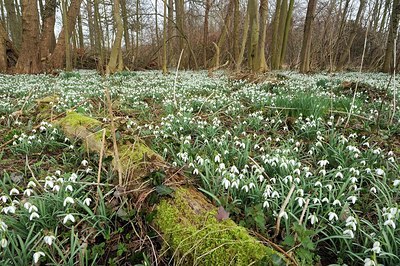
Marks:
<point>187,219</point>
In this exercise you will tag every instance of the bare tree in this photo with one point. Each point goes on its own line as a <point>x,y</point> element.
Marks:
<point>306,46</point>
<point>388,64</point>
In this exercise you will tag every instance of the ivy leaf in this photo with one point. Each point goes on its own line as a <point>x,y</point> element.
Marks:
<point>163,190</point>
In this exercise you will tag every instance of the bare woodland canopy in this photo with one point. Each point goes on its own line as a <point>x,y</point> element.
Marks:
<point>256,35</point>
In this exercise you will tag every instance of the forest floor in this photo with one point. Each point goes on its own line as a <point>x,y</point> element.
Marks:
<point>318,154</point>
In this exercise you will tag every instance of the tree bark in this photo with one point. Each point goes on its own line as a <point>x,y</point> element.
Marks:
<point>388,65</point>
<point>48,39</point>
<point>80,32</point>
<point>29,57</point>
<point>261,64</point>
<point>253,51</point>
<point>306,46</point>
<point>275,49</point>
<point>244,40</point>
<point>3,49</point>
<point>288,25</point>
<point>116,64</point>
<point>164,61</point>
<point>126,25</point>
<point>205,32</point>
<point>98,37</point>
<point>171,33</point>
<point>57,59</point>
<point>236,31</point>
<point>67,37</point>
<point>13,23</point>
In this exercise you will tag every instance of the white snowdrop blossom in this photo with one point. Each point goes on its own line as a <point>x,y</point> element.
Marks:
<point>3,243</point>
<point>68,200</point>
<point>349,233</point>
<point>73,177</point>
<point>226,183</point>
<point>353,199</point>
<point>369,262</point>
<point>376,247</point>
<point>33,216</point>
<point>217,158</point>
<point>37,255</point>
<point>323,163</point>
<point>31,184</point>
<point>379,171</point>
<point>69,188</point>
<point>84,162</point>
<point>49,239</point>
<point>14,191</point>
<point>283,215</point>
<point>332,216</point>
<point>69,217</point>
<point>313,218</point>
<point>87,201</point>
<point>396,182</point>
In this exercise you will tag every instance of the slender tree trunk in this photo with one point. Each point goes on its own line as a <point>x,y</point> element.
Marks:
<point>116,64</point>
<point>29,57</point>
<point>171,26</point>
<point>126,25</point>
<point>3,16</point>
<point>236,29</point>
<point>205,32</point>
<point>288,25</point>
<point>388,65</point>
<point>275,49</point>
<point>343,59</point>
<point>89,8</point>
<point>180,9</point>
<point>244,40</point>
<point>58,57</point>
<point>67,45</point>
<point>80,32</point>
<point>13,23</point>
<point>99,37</point>
<point>48,39</point>
<point>137,27</point>
<point>306,46</point>
<point>281,32</point>
<point>254,36</point>
<point>164,61</point>
<point>262,65</point>
<point>385,13</point>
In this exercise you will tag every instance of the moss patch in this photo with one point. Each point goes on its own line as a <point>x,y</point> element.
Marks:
<point>74,119</point>
<point>197,237</point>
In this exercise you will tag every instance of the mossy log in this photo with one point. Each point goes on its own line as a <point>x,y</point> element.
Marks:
<point>187,219</point>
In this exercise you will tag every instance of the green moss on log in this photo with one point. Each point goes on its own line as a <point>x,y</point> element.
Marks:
<point>197,237</point>
<point>74,119</point>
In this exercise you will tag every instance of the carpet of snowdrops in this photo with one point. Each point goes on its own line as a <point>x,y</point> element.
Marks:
<point>249,147</point>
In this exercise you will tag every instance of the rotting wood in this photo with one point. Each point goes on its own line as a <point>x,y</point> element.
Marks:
<point>187,220</point>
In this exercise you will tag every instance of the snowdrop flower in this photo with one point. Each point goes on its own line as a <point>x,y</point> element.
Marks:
<point>275,194</point>
<point>217,158</point>
<point>27,205</point>
<point>69,188</point>
<point>49,183</point>
<point>196,171</point>
<point>246,188</point>
<point>3,226</point>
<point>4,198</point>
<point>226,183</point>
<point>369,262</point>
<point>266,204</point>
<point>300,201</point>
<point>373,190</point>
<point>3,243</point>
<point>379,171</point>
<point>284,215</point>
<point>323,163</point>
<point>31,184</point>
<point>73,177</point>
<point>69,217</point>
<point>353,199</point>
<point>349,233</point>
<point>396,182</point>
<point>376,247</point>
<point>32,208</point>
<point>28,192</point>
<point>339,174</point>
<point>84,162</point>
<point>56,188</point>
<point>325,199</point>
<point>313,218</point>
<point>58,172</point>
<point>318,184</point>
<point>33,215</point>
<point>10,209</point>
<point>390,223</point>
<point>68,200</point>
<point>37,255</point>
<point>49,239</point>
<point>332,216</point>
<point>14,191</point>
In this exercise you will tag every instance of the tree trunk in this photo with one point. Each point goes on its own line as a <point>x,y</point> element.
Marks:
<point>306,46</point>
<point>164,61</point>
<point>116,64</point>
<point>13,23</point>
<point>244,40</point>
<point>29,57</point>
<point>388,65</point>
<point>253,51</point>
<point>288,25</point>
<point>68,60</point>
<point>3,49</point>
<point>236,31</point>
<point>275,49</point>
<point>205,32</point>
<point>261,64</point>
<point>99,37</point>
<point>126,25</point>
<point>57,59</point>
<point>80,32</point>
<point>89,9</point>
<point>171,26</point>
<point>343,59</point>
<point>48,39</point>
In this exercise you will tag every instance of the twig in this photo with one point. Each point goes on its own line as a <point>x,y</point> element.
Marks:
<point>114,137</point>
<point>176,77</point>
<point>283,207</point>
<point>101,155</point>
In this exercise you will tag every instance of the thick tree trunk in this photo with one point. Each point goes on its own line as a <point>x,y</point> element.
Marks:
<point>57,59</point>
<point>126,26</point>
<point>253,51</point>
<point>48,39</point>
<point>29,57</point>
<point>288,25</point>
<point>99,37</point>
<point>388,65</point>
<point>275,47</point>
<point>80,32</point>
<point>236,31</point>
<point>3,49</point>
<point>116,64</point>
<point>67,37</point>
<point>306,46</point>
